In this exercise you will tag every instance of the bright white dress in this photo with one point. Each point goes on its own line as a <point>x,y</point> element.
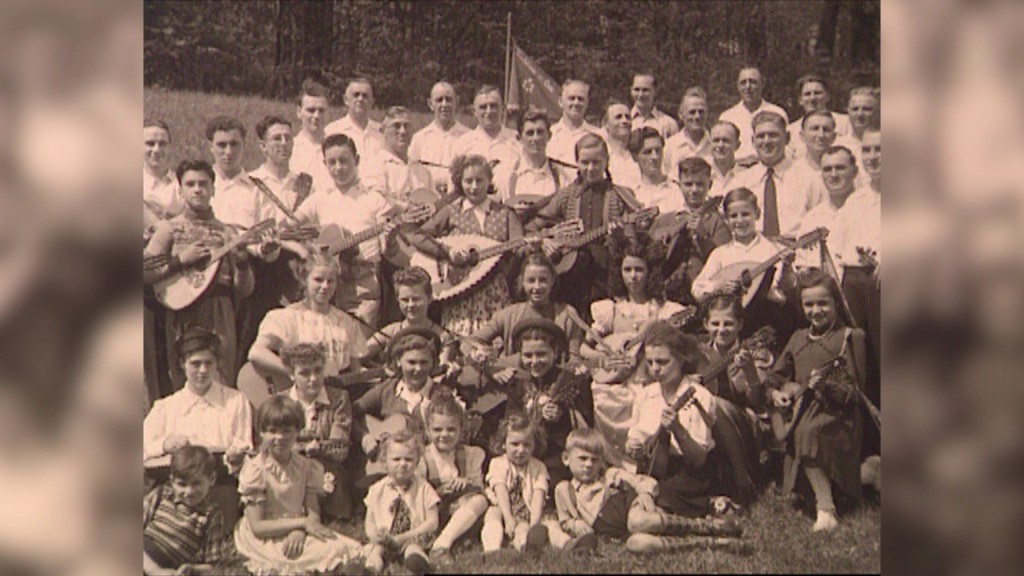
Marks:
<point>282,491</point>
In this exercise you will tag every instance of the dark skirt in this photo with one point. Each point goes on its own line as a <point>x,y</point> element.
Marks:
<point>826,439</point>
<point>735,461</point>
<point>685,490</point>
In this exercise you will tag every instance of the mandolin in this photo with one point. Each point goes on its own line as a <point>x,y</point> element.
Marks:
<point>623,349</point>
<point>654,455</point>
<point>258,387</point>
<point>751,274</point>
<point>569,247</point>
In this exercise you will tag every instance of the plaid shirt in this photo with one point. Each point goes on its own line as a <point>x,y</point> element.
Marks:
<point>175,533</point>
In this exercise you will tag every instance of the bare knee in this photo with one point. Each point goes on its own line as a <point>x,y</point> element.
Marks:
<point>478,504</point>
<point>642,521</point>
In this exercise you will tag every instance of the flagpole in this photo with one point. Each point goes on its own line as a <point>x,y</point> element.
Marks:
<point>508,62</point>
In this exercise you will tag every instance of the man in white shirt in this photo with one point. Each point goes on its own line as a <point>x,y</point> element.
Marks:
<point>353,208</point>
<point>693,139</point>
<point>235,199</point>
<point>391,173</point>
<point>725,141</point>
<point>784,194</point>
<point>573,125</point>
<point>751,87</point>
<point>835,213</point>
<point>489,139</point>
<point>616,130</point>
<point>160,192</point>
<point>864,114</point>
<point>432,146</point>
<point>312,108</point>
<point>533,174</point>
<point>275,139</point>
<point>814,97</point>
<point>644,112</point>
<point>357,124</point>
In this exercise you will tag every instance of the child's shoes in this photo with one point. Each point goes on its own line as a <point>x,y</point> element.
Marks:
<point>536,539</point>
<point>581,543</point>
<point>826,521</point>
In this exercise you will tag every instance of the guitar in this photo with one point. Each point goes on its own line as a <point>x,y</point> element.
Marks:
<point>569,247</point>
<point>414,214</point>
<point>454,277</point>
<point>624,349</point>
<point>751,274</point>
<point>183,287</point>
<point>258,387</point>
<point>758,344</point>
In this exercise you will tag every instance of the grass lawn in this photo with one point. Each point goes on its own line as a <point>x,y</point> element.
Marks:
<point>188,112</point>
<point>781,537</point>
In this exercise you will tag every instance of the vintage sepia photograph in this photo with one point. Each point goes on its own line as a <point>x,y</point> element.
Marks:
<point>504,287</point>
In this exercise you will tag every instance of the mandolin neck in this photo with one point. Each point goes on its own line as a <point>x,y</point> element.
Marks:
<point>802,242</point>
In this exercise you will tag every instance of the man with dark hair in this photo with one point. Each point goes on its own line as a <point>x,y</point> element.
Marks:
<point>312,109</point>
<point>533,174</point>
<point>814,97</point>
<point>725,141</point>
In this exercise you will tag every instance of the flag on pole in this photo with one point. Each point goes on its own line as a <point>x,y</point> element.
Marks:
<point>530,87</point>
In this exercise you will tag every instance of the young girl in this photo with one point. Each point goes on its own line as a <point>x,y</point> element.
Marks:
<point>638,300</point>
<point>826,440</point>
<point>328,431</point>
<point>517,484</point>
<point>671,359</point>
<point>401,509</point>
<point>313,320</point>
<point>475,214</point>
<point>414,293</point>
<point>455,470</point>
<point>181,529</point>
<point>541,346</point>
<point>536,282</point>
<point>188,239</point>
<point>281,532</point>
<point>203,413</point>
<point>769,306</point>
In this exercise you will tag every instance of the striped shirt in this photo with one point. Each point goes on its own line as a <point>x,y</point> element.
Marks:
<point>175,533</point>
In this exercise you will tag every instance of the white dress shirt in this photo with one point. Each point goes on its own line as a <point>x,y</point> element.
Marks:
<point>681,147</point>
<point>236,201</point>
<point>354,210</point>
<point>393,178</point>
<point>504,147</point>
<point>525,179</point>
<point>663,123</point>
<point>308,157</point>
<point>797,148</point>
<point>219,420</point>
<point>433,144</point>
<point>742,118</point>
<point>721,182</point>
<point>278,186</point>
<point>666,196</point>
<point>623,168</point>
<point>562,145</point>
<point>164,193</point>
<point>369,141</point>
<point>796,192</point>
<point>733,252</point>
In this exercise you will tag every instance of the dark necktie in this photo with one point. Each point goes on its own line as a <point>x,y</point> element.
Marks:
<point>515,494</point>
<point>402,521</point>
<point>771,207</point>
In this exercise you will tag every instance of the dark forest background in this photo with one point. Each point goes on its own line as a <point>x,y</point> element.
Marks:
<point>266,47</point>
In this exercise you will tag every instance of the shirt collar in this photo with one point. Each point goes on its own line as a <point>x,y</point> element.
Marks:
<point>149,180</point>
<point>780,168</point>
<point>321,398</point>
<point>424,392</point>
<point>635,113</point>
<point>214,396</point>
<point>525,168</point>
<point>241,177</point>
<point>486,206</point>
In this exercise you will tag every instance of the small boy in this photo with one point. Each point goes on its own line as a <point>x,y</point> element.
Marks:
<point>704,231</point>
<point>181,531</point>
<point>613,502</point>
<point>401,509</point>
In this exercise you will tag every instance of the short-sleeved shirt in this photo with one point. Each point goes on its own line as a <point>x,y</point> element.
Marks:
<point>433,144</point>
<point>663,123</point>
<point>337,331</point>
<point>280,187</point>
<point>531,478</point>
<point>280,488</point>
<point>650,402</point>
<point>742,118</point>
<point>219,420</point>
<point>175,533</point>
<point>354,210</point>
<point>420,497</point>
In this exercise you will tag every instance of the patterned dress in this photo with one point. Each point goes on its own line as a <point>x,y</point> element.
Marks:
<point>468,312</point>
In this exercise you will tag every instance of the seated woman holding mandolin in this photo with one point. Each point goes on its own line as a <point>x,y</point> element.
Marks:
<point>615,336</point>
<point>181,252</point>
<point>670,430</point>
<point>312,320</point>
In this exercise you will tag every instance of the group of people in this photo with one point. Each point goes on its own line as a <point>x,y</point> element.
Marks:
<point>674,317</point>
